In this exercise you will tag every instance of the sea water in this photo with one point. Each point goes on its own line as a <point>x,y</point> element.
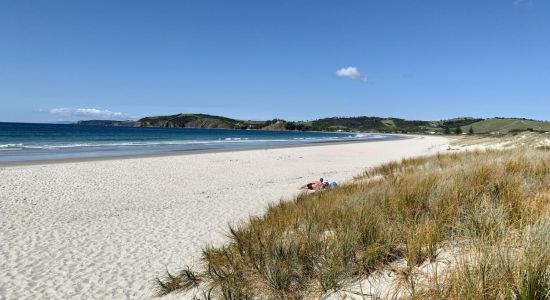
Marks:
<point>26,141</point>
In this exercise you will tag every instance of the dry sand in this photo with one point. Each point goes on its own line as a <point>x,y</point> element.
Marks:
<point>106,229</point>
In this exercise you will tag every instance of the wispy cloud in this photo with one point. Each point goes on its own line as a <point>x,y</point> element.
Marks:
<point>92,113</point>
<point>527,3</point>
<point>351,73</point>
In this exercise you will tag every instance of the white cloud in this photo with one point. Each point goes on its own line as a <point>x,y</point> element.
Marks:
<point>92,113</point>
<point>351,73</point>
<point>523,3</point>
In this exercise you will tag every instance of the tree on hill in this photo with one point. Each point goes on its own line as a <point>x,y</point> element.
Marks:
<point>458,130</point>
<point>471,130</point>
<point>447,130</point>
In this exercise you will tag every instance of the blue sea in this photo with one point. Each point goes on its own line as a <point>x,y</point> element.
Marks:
<point>25,141</point>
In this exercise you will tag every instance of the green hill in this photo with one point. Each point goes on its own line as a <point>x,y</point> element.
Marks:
<point>506,125</point>
<point>199,121</point>
<point>361,123</point>
<point>371,124</point>
<point>348,124</point>
<point>377,124</point>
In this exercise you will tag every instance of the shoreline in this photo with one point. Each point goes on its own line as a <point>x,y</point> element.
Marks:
<point>18,163</point>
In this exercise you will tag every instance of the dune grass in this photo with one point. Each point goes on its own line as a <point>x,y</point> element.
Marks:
<point>494,204</point>
<point>505,125</point>
<point>539,140</point>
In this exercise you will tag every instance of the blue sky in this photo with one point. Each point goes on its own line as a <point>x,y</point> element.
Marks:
<point>298,60</point>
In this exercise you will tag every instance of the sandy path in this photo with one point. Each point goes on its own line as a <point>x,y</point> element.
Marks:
<point>105,229</point>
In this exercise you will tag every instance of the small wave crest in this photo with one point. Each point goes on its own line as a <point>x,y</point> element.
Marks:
<point>11,147</point>
<point>229,140</point>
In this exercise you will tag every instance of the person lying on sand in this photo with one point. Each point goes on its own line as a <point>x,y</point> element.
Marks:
<point>315,185</point>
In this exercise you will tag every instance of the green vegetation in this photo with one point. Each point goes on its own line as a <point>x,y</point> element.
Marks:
<point>370,124</point>
<point>492,205</point>
<point>208,121</point>
<point>197,121</point>
<point>505,125</point>
<point>363,124</point>
<point>357,124</point>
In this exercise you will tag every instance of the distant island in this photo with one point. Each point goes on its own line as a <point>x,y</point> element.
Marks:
<point>344,124</point>
<point>106,123</point>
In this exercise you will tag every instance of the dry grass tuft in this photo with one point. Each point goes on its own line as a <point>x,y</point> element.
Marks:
<point>537,140</point>
<point>494,203</point>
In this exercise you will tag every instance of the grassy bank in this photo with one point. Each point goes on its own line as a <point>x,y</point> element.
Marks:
<point>491,205</point>
<point>540,140</point>
<point>506,125</point>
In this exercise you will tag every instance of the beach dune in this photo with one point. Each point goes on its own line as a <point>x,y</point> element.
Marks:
<point>107,228</point>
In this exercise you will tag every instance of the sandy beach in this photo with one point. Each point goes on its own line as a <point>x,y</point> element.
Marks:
<point>106,228</point>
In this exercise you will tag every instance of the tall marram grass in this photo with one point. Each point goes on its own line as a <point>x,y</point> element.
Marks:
<point>493,203</point>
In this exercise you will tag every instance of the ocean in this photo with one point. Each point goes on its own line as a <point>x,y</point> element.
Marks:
<point>27,141</point>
